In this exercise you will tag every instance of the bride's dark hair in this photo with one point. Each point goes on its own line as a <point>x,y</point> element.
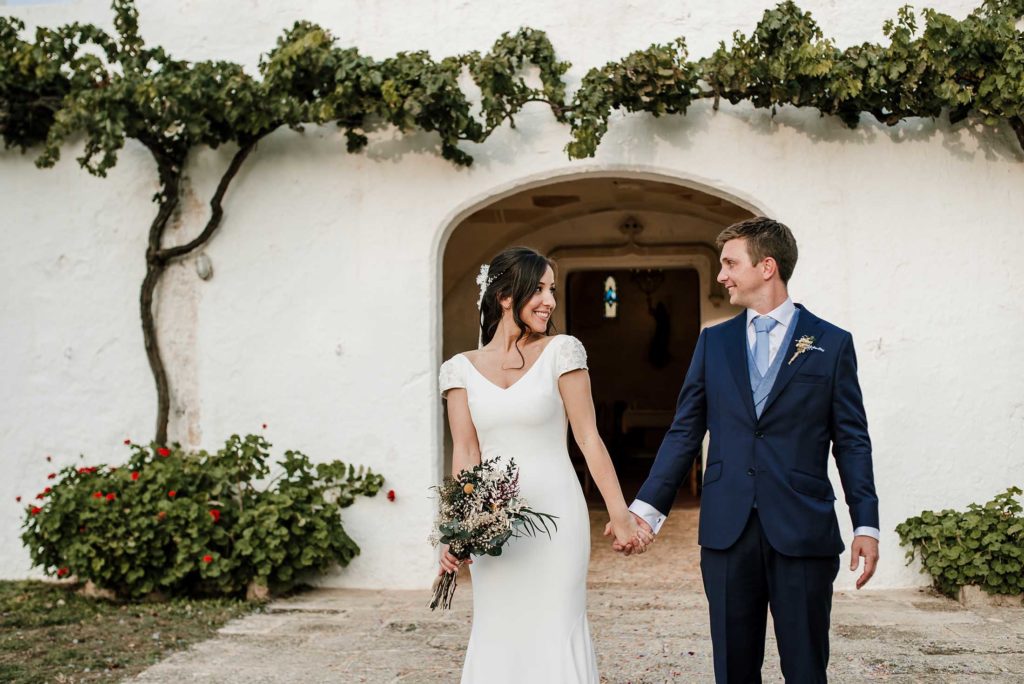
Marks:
<point>513,273</point>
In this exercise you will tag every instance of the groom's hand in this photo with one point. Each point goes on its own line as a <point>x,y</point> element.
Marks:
<point>636,545</point>
<point>867,548</point>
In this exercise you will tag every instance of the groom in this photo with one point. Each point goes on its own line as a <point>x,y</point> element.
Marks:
<point>774,386</point>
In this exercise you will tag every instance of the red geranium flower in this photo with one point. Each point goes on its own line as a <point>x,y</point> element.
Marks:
<point>36,510</point>
<point>61,572</point>
<point>97,495</point>
<point>135,476</point>
<point>207,558</point>
<point>264,426</point>
<point>161,515</point>
<point>51,476</point>
<point>163,451</point>
<point>127,441</point>
<point>391,495</point>
<point>18,499</point>
<point>47,490</point>
<point>215,514</point>
<point>173,493</point>
<point>39,495</point>
<point>111,496</point>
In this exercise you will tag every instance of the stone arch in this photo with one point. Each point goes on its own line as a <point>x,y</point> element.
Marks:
<point>579,218</point>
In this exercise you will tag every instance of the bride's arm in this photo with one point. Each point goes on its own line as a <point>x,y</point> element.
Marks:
<point>465,445</point>
<point>465,454</point>
<point>574,387</point>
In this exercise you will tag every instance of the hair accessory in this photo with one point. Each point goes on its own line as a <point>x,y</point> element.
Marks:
<point>483,281</point>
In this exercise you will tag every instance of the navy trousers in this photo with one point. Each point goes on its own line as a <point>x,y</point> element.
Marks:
<point>742,582</point>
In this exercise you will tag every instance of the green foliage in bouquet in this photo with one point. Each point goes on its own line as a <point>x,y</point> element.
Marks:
<point>479,512</point>
<point>196,524</point>
<point>983,546</point>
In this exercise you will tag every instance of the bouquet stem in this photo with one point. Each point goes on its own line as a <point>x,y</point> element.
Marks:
<point>444,590</point>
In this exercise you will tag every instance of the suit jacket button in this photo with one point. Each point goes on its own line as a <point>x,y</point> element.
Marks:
<point>750,471</point>
<point>759,434</point>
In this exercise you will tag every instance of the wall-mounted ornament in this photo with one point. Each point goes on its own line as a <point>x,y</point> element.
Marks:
<point>204,267</point>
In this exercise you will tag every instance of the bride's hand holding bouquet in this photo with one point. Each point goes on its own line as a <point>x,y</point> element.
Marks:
<point>480,511</point>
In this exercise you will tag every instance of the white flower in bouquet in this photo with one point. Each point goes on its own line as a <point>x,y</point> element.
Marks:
<point>479,512</point>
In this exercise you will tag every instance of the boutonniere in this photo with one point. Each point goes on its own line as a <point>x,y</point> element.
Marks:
<point>805,343</point>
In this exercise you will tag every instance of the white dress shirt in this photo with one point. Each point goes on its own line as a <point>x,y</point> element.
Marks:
<point>784,315</point>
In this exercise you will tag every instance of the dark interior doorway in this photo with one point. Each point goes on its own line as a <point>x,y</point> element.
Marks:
<point>637,360</point>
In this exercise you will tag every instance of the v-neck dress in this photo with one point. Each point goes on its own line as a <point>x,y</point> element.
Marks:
<point>530,603</point>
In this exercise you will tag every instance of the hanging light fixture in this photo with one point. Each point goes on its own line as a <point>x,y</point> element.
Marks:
<point>648,280</point>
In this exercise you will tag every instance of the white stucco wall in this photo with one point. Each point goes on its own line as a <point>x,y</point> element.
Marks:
<point>323,315</point>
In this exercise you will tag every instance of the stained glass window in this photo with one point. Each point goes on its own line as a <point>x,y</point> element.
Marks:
<point>611,298</point>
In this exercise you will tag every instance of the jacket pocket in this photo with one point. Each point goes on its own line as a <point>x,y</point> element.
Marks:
<point>811,485</point>
<point>712,472</point>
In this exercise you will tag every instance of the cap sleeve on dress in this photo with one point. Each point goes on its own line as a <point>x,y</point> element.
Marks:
<point>571,355</point>
<point>451,376</point>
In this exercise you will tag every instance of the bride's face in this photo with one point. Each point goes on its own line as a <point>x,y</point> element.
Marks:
<point>538,310</point>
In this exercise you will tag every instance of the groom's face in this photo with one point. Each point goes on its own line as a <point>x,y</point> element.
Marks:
<point>740,277</point>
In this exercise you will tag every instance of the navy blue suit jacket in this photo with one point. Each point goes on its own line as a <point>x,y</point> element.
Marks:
<point>781,458</point>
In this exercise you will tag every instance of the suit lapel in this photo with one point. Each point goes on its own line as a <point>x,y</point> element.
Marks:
<point>736,359</point>
<point>807,324</point>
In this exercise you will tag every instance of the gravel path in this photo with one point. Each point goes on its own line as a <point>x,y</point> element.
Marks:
<point>648,616</point>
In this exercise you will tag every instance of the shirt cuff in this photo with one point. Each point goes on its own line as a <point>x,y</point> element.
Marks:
<point>651,515</point>
<point>868,532</point>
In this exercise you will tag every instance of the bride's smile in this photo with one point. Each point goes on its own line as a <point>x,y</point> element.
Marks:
<point>537,312</point>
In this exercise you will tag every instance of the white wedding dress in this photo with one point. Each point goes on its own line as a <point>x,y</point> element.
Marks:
<point>530,603</point>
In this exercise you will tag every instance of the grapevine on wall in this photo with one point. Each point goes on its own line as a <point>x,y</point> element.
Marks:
<point>79,81</point>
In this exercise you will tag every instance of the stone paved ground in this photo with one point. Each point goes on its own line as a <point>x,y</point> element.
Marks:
<point>646,630</point>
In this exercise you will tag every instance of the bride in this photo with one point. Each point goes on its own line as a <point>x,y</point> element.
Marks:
<point>513,398</point>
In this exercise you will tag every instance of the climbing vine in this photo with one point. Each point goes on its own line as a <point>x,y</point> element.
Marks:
<point>933,64</point>
<point>80,81</point>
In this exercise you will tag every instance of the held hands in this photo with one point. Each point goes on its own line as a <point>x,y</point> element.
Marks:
<point>630,534</point>
<point>866,547</point>
<point>450,563</point>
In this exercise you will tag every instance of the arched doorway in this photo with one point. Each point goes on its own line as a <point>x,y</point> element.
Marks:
<point>653,238</point>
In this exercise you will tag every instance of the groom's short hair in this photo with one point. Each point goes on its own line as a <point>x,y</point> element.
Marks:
<point>765,238</point>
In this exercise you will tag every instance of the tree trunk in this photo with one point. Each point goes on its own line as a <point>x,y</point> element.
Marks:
<point>170,182</point>
<point>158,257</point>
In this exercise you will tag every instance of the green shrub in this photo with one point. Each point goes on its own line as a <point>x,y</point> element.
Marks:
<point>195,524</point>
<point>983,546</point>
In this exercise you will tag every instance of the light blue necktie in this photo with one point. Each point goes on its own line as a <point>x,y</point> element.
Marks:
<point>762,326</point>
